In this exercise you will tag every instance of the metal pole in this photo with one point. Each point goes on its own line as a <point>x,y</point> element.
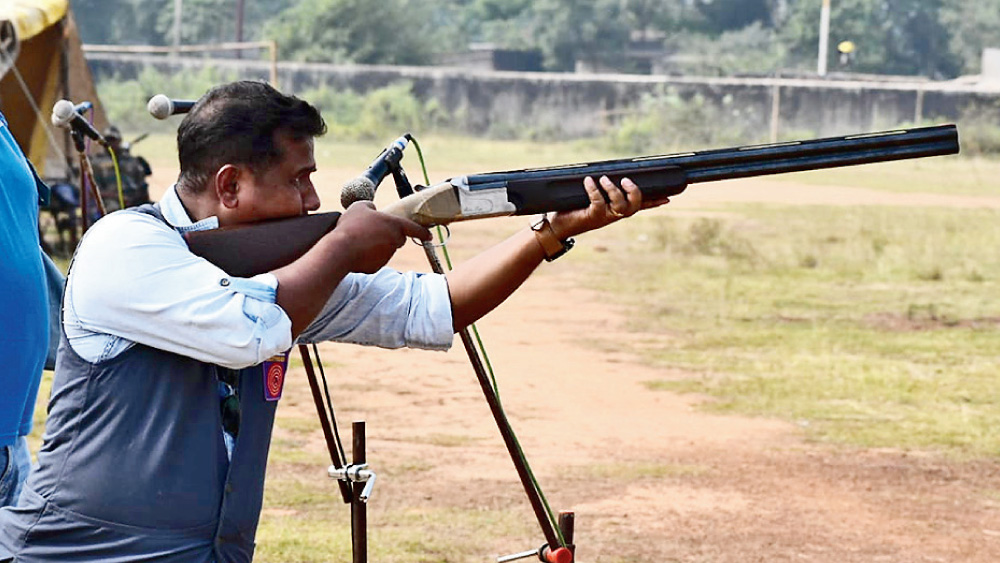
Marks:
<point>918,109</point>
<point>567,521</point>
<point>824,37</point>
<point>359,510</point>
<point>84,198</point>
<point>273,46</point>
<point>178,10</point>
<point>503,425</point>
<point>775,111</point>
<point>324,419</point>
<point>239,25</point>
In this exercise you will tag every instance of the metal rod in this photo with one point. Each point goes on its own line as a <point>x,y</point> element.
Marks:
<point>84,199</point>
<point>567,520</point>
<point>824,37</point>
<point>359,510</point>
<point>506,432</point>
<point>516,556</point>
<point>227,46</point>
<point>324,420</point>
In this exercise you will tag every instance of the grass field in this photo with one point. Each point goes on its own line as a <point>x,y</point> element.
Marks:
<point>874,326</point>
<point>955,175</point>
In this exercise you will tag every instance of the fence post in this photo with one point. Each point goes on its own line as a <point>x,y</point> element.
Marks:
<point>918,106</point>
<point>775,110</point>
<point>273,45</point>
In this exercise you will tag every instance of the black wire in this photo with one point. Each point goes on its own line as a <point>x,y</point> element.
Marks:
<point>329,405</point>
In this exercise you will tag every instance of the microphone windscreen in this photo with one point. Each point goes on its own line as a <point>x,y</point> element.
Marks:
<point>62,113</point>
<point>358,189</point>
<point>160,106</point>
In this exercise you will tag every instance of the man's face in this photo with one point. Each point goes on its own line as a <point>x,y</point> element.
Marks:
<point>283,190</point>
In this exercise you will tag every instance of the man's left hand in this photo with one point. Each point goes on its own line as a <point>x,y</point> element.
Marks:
<point>622,201</point>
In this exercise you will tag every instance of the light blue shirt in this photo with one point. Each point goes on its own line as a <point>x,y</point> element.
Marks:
<point>133,280</point>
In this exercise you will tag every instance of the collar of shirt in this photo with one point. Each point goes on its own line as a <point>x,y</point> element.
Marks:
<point>175,214</point>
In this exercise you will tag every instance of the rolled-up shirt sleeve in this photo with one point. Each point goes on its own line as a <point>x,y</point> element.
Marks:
<point>388,309</point>
<point>134,278</point>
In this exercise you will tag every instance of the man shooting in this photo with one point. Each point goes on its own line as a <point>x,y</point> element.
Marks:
<point>145,454</point>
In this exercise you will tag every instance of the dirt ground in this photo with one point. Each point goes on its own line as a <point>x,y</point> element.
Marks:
<point>649,476</point>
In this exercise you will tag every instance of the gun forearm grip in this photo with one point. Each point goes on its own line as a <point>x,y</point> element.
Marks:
<point>564,191</point>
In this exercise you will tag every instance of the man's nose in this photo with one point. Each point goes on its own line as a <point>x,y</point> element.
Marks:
<point>311,200</point>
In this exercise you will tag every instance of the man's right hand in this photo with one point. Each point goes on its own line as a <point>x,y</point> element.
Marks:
<point>363,241</point>
<point>374,237</point>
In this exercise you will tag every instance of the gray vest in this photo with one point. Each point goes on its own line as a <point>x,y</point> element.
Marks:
<point>133,465</point>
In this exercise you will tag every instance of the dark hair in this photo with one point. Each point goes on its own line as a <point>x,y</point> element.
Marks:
<point>236,123</point>
<point>112,133</point>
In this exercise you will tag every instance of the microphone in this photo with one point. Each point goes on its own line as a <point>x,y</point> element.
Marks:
<point>162,107</point>
<point>67,116</point>
<point>363,187</point>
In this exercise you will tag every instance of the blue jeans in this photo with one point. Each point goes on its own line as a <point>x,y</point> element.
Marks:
<point>15,463</point>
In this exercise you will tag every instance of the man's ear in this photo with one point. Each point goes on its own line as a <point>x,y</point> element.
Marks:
<point>227,186</point>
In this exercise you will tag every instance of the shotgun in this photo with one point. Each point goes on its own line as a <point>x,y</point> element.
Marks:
<point>246,250</point>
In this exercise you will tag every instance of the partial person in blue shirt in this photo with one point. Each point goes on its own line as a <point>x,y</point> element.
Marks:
<point>24,310</point>
<point>139,460</point>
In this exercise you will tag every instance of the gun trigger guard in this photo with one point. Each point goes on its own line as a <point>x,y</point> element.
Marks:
<point>447,237</point>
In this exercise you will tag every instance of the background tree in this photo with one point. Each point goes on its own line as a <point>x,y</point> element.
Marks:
<point>892,36</point>
<point>501,22</point>
<point>119,21</point>
<point>974,25</point>
<point>202,21</point>
<point>590,31</point>
<point>719,16</point>
<point>384,32</point>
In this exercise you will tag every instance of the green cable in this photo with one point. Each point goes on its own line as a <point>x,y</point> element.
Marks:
<point>118,179</point>
<point>489,369</point>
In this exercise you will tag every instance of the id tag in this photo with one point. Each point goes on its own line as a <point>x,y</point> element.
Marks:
<point>274,376</point>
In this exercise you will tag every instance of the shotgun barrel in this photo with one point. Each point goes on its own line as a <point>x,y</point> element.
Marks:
<point>559,188</point>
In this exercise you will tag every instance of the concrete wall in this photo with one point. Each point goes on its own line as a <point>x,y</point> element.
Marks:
<point>575,105</point>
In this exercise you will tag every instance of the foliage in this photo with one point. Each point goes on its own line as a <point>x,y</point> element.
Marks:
<point>151,22</point>
<point>979,131</point>
<point>974,26</point>
<point>891,37</point>
<point>125,100</point>
<point>387,32</point>
<point>380,114</point>
<point>736,14</point>
<point>501,22</point>
<point>202,21</point>
<point>754,49</point>
<point>119,21</point>
<point>667,121</point>
<point>591,31</point>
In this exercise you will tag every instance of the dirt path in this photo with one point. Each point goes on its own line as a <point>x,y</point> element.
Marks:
<point>650,477</point>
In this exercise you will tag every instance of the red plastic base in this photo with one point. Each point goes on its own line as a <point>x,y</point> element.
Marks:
<point>560,555</point>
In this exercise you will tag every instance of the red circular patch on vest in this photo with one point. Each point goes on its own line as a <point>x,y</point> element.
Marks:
<point>275,379</point>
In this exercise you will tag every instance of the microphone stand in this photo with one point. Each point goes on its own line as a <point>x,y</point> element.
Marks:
<point>554,550</point>
<point>86,180</point>
<point>355,479</point>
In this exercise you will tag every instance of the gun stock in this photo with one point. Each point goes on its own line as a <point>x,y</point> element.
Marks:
<point>247,250</point>
<point>252,249</point>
